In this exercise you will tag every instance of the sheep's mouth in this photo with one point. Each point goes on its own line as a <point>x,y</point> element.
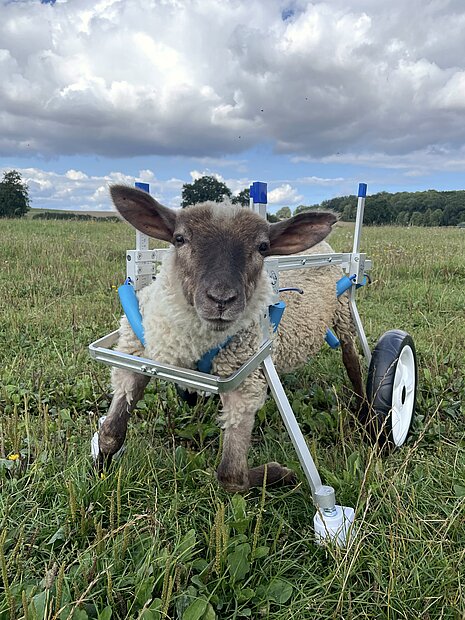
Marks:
<point>219,325</point>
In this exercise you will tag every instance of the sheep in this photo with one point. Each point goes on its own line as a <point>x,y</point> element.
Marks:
<point>213,286</point>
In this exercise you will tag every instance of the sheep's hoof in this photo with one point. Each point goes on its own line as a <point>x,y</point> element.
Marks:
<point>190,398</point>
<point>102,463</point>
<point>234,488</point>
<point>275,474</point>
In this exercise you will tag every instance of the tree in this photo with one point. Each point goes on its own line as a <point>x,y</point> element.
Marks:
<point>14,195</point>
<point>403,218</point>
<point>242,198</point>
<point>349,212</point>
<point>436,217</point>
<point>284,213</point>
<point>427,215</point>
<point>303,208</point>
<point>378,209</point>
<point>416,219</point>
<point>205,188</point>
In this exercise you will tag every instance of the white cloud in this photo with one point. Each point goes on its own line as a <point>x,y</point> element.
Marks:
<point>76,175</point>
<point>197,174</point>
<point>452,95</point>
<point>207,78</point>
<point>77,191</point>
<point>284,195</point>
<point>319,180</point>
<point>414,163</point>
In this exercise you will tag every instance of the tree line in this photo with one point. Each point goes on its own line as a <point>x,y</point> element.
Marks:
<point>429,208</point>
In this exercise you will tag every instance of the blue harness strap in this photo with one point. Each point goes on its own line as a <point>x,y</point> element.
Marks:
<point>205,362</point>
<point>275,313</point>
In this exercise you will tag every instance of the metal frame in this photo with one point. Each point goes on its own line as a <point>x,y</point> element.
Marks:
<point>141,266</point>
<point>100,351</point>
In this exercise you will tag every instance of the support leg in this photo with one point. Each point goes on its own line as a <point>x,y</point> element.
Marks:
<point>322,495</point>
<point>359,325</point>
<point>331,522</point>
<point>291,425</point>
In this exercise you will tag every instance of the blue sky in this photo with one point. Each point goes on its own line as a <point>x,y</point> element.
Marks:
<point>309,97</point>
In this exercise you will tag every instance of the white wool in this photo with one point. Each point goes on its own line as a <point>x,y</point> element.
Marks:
<point>174,333</point>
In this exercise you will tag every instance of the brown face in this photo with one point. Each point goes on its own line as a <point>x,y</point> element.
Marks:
<point>219,255</point>
<point>219,248</point>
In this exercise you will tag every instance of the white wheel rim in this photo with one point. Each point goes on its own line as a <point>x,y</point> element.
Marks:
<point>403,395</point>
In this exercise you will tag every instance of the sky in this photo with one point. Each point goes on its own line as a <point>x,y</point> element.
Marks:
<point>310,97</point>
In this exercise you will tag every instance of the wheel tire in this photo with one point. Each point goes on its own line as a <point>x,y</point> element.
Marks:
<point>391,388</point>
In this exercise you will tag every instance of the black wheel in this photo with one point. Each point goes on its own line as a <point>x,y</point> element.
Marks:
<point>392,388</point>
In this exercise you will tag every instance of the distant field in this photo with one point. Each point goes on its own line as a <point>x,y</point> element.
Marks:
<point>158,533</point>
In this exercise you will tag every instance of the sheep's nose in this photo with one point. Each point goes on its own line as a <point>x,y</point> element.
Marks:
<point>222,297</point>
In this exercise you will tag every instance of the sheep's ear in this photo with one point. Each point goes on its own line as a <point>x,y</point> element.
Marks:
<point>300,232</point>
<point>144,212</point>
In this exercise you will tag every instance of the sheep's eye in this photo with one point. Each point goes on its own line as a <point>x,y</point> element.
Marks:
<point>263,247</point>
<point>179,240</point>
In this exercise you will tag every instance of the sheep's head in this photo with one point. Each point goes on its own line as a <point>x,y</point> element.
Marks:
<point>219,248</point>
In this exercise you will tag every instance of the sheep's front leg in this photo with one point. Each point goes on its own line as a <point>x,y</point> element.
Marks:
<point>237,419</point>
<point>129,389</point>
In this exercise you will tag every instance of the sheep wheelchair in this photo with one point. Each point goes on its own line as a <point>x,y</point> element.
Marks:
<point>392,367</point>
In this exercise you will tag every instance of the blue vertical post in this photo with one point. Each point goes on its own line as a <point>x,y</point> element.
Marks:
<point>145,187</point>
<point>259,197</point>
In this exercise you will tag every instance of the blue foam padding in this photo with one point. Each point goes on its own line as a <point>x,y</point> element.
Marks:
<point>276,313</point>
<point>343,285</point>
<point>130,305</point>
<point>332,339</point>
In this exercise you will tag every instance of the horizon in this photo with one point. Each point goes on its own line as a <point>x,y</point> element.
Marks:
<point>309,98</point>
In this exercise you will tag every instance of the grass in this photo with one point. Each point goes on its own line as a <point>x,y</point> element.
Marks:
<point>157,537</point>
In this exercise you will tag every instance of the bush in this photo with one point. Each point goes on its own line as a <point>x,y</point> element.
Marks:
<point>50,215</point>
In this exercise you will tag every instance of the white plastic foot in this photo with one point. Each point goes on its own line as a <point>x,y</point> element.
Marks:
<point>336,527</point>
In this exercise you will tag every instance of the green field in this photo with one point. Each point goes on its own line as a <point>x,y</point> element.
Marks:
<point>157,537</point>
